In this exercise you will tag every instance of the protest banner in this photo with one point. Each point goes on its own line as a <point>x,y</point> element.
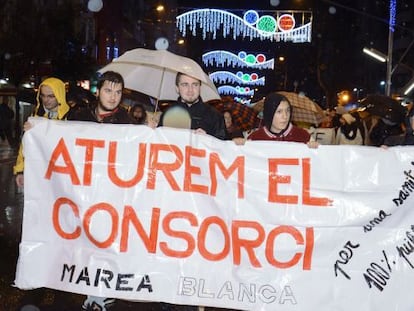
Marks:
<point>133,213</point>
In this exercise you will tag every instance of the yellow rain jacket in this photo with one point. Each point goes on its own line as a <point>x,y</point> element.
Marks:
<point>59,90</point>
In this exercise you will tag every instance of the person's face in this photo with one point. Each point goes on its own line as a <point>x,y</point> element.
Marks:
<point>47,98</point>
<point>227,119</point>
<point>138,113</point>
<point>189,89</point>
<point>281,117</point>
<point>109,95</point>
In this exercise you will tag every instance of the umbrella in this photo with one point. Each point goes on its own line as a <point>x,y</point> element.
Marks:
<point>304,109</point>
<point>153,72</point>
<point>383,106</point>
<point>245,118</point>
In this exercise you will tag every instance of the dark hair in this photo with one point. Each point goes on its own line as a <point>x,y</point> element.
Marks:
<point>178,76</point>
<point>144,113</point>
<point>110,76</point>
<point>271,102</point>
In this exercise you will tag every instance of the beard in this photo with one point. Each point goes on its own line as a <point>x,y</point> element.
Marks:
<point>103,108</point>
<point>190,102</point>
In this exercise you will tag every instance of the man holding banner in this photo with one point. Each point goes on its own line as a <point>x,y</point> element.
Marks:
<point>51,104</point>
<point>203,118</point>
<point>107,110</point>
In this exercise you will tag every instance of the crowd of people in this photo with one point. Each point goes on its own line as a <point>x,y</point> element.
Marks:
<point>357,127</point>
<point>204,119</point>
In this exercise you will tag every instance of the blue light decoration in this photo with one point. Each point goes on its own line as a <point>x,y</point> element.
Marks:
<point>240,77</point>
<point>221,58</point>
<point>280,26</point>
<point>393,12</point>
<point>235,90</point>
<point>243,101</point>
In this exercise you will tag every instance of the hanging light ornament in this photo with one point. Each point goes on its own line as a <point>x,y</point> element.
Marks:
<point>393,10</point>
<point>221,58</point>
<point>243,101</point>
<point>252,25</point>
<point>235,90</point>
<point>240,77</point>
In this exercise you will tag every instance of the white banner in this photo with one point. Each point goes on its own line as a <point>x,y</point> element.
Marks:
<point>129,212</point>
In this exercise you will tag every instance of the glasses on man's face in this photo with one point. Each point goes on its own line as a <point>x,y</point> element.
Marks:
<point>186,85</point>
<point>47,96</point>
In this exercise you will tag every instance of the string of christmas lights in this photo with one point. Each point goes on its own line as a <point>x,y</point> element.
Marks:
<point>243,101</point>
<point>240,77</point>
<point>222,58</point>
<point>235,90</point>
<point>252,25</point>
<point>393,12</point>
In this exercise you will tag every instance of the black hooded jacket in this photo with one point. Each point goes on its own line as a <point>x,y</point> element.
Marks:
<point>203,116</point>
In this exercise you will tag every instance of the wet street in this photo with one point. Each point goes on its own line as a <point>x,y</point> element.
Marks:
<point>11,212</point>
<point>14,299</point>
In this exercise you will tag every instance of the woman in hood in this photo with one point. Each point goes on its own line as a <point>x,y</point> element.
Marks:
<point>277,125</point>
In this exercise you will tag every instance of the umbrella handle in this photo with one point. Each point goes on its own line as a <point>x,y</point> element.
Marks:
<point>156,106</point>
<point>159,90</point>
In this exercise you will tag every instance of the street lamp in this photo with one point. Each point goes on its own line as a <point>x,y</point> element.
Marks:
<point>384,59</point>
<point>387,58</point>
<point>409,87</point>
<point>375,54</point>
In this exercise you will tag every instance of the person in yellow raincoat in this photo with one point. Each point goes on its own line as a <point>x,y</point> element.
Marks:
<point>51,104</point>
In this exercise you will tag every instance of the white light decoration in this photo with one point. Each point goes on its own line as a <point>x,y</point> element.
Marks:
<point>252,25</point>
<point>238,78</point>
<point>221,58</point>
<point>243,101</point>
<point>235,90</point>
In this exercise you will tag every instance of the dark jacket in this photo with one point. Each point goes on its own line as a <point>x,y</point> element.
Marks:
<point>233,132</point>
<point>409,133</point>
<point>6,116</point>
<point>203,116</point>
<point>118,116</point>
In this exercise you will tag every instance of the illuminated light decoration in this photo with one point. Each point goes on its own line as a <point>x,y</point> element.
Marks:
<point>286,22</point>
<point>267,24</point>
<point>221,58</point>
<point>251,17</point>
<point>251,26</point>
<point>238,90</point>
<point>243,101</point>
<point>240,77</point>
<point>393,9</point>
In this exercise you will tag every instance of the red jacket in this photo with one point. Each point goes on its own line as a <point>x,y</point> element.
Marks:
<point>293,133</point>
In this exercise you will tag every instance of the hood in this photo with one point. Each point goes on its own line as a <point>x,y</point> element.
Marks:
<point>59,90</point>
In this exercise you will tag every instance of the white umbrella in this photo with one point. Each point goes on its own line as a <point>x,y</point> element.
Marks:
<point>153,72</point>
